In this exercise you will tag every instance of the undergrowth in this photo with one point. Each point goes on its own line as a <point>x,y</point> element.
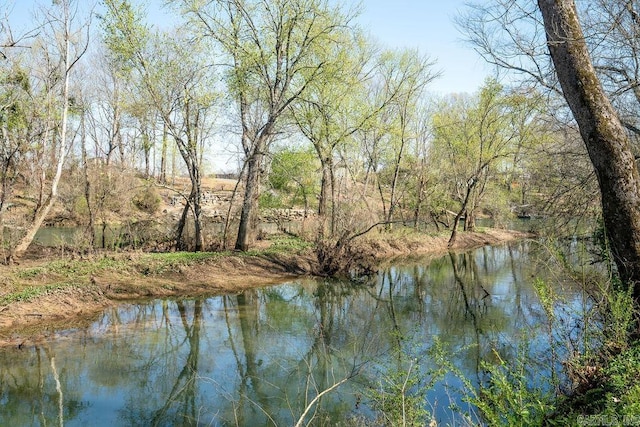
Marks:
<point>29,293</point>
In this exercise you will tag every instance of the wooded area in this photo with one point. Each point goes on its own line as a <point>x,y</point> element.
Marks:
<point>112,126</point>
<point>102,112</point>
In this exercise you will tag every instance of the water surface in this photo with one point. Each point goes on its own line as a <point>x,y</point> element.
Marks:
<point>259,357</point>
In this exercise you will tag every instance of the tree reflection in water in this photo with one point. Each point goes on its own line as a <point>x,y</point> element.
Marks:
<point>262,356</point>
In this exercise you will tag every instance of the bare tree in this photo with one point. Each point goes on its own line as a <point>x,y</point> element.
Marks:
<point>180,88</point>
<point>70,43</point>
<point>604,135</point>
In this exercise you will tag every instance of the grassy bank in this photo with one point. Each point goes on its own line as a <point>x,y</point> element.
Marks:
<point>47,293</point>
<point>44,293</point>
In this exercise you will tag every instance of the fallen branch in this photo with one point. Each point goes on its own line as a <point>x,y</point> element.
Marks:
<point>318,397</point>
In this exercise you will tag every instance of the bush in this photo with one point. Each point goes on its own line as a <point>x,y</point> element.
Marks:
<point>271,200</point>
<point>147,200</point>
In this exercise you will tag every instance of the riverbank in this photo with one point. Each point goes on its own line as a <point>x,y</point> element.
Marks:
<point>55,292</point>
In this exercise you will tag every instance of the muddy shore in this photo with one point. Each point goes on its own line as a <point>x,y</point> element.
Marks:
<point>41,295</point>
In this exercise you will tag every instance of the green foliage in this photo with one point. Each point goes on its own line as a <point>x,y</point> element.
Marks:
<point>80,206</point>
<point>622,384</point>
<point>508,399</point>
<point>181,258</point>
<point>84,267</point>
<point>619,317</point>
<point>32,292</point>
<point>124,35</point>
<point>159,263</point>
<point>281,244</point>
<point>547,297</point>
<point>14,91</point>
<point>286,243</point>
<point>271,200</point>
<point>73,269</point>
<point>294,174</point>
<point>604,366</point>
<point>478,144</point>
<point>613,397</point>
<point>400,393</point>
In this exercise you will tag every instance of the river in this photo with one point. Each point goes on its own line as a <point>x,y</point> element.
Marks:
<point>260,357</point>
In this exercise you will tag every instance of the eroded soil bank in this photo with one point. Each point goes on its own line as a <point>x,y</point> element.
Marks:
<point>41,295</point>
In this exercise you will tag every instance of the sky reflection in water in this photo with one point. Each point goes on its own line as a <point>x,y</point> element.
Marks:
<point>259,357</point>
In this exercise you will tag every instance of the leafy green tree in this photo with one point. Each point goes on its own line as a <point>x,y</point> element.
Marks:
<point>333,109</point>
<point>179,86</point>
<point>477,138</point>
<point>275,52</point>
<point>408,75</point>
<point>293,172</point>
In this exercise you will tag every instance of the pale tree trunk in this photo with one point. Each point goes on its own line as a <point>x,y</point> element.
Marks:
<point>115,139</point>
<point>606,139</point>
<point>44,210</point>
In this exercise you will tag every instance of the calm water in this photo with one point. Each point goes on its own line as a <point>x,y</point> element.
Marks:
<point>257,358</point>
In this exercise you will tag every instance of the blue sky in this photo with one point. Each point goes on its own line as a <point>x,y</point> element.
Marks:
<point>428,26</point>
<point>423,24</point>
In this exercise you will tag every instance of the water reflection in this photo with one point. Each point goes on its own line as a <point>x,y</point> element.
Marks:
<point>260,357</point>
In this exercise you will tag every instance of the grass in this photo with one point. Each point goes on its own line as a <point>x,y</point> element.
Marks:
<point>72,268</point>
<point>31,292</point>
<point>159,263</point>
<point>79,271</point>
<point>182,258</point>
<point>282,245</point>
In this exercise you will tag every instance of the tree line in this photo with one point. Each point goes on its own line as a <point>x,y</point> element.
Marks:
<point>322,116</point>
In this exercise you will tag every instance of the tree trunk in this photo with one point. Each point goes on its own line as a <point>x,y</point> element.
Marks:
<point>87,184</point>
<point>227,220</point>
<point>42,212</point>
<point>325,185</point>
<point>103,237</point>
<point>147,161</point>
<point>163,155</point>
<point>196,203</point>
<point>606,139</point>
<point>180,246</point>
<point>249,213</point>
<point>470,221</point>
<point>327,199</point>
<point>462,211</point>
<point>420,196</point>
<point>396,173</point>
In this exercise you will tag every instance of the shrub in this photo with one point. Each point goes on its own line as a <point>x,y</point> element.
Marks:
<point>147,200</point>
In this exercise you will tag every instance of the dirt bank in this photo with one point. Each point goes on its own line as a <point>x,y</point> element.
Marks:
<point>41,295</point>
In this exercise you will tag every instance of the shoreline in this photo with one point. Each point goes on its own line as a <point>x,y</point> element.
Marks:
<point>42,296</point>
